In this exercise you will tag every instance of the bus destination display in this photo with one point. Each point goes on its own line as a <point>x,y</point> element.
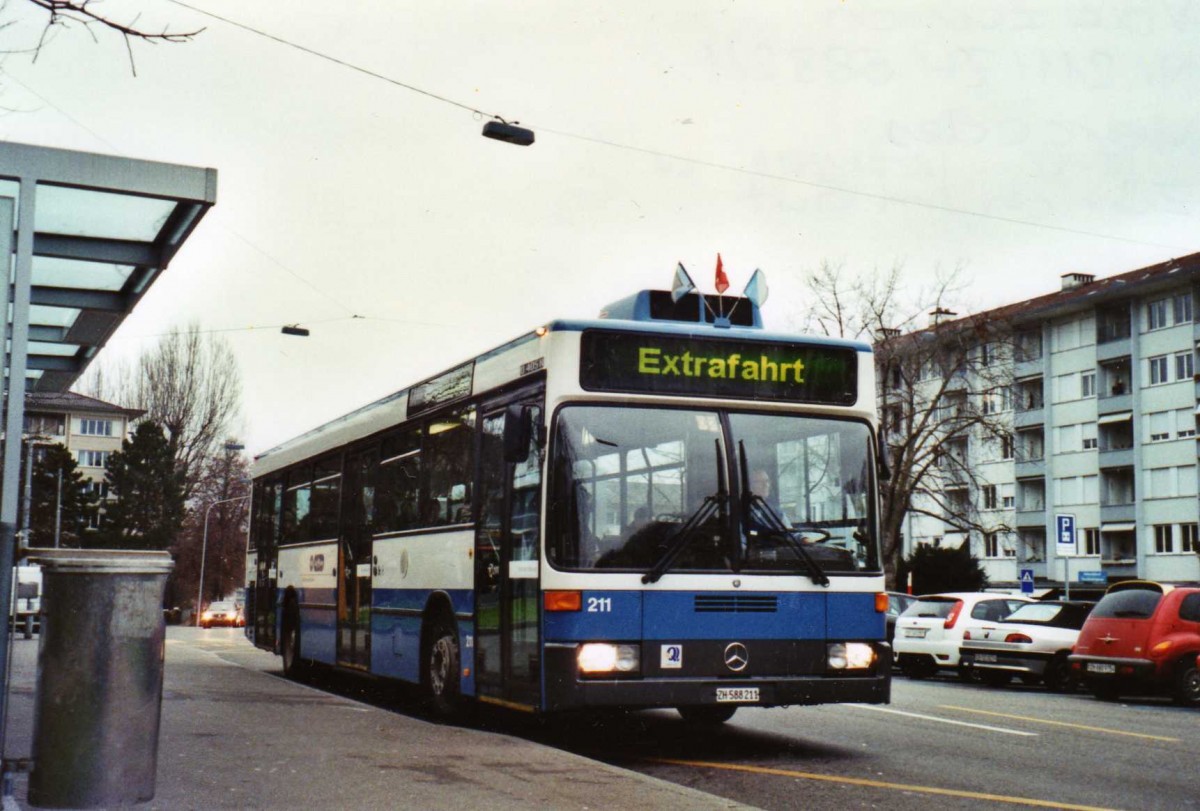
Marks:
<point>667,364</point>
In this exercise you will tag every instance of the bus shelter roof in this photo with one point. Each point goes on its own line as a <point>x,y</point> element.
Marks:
<point>96,231</point>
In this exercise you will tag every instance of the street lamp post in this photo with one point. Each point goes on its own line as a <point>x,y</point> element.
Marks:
<point>204,551</point>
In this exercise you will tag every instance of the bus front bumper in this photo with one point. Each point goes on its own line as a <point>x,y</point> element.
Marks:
<point>567,690</point>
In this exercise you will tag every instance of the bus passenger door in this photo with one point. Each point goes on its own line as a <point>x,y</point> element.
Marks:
<point>266,566</point>
<point>355,564</point>
<point>507,664</point>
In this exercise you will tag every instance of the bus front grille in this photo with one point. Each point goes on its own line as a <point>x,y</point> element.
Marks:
<point>736,603</point>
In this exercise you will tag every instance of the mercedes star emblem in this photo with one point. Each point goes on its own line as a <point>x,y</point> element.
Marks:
<point>736,657</point>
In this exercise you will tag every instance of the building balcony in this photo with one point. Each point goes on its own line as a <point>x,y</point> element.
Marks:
<point>1029,467</point>
<point>1116,457</point>
<point>1109,403</point>
<point>1029,417</point>
<point>1028,368</point>
<point>1117,513</point>
<point>1119,347</point>
<point>1031,517</point>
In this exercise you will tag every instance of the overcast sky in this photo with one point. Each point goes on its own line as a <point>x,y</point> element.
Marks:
<point>1018,141</point>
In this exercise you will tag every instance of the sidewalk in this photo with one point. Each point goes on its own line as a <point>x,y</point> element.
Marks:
<point>237,735</point>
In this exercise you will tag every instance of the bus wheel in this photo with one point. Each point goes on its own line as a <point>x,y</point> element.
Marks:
<point>289,646</point>
<point>440,676</point>
<point>709,715</point>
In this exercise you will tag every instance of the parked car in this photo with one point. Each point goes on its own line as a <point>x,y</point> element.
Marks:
<point>1142,638</point>
<point>897,603</point>
<point>930,631</point>
<point>224,612</point>
<point>1032,643</point>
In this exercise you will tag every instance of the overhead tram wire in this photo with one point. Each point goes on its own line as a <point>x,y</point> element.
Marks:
<point>694,161</point>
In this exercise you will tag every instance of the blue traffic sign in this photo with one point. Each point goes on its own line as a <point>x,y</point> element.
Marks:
<point>1065,534</point>
<point>1027,581</point>
<point>1099,576</point>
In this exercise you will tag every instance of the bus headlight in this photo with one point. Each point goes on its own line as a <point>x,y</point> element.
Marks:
<point>603,657</point>
<point>849,656</point>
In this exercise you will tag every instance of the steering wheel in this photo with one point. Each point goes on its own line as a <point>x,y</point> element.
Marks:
<point>823,535</point>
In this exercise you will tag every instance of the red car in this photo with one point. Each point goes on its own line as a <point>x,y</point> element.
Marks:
<point>1142,638</point>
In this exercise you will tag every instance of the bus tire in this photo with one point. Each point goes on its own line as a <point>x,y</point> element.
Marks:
<point>708,715</point>
<point>294,666</point>
<point>440,672</point>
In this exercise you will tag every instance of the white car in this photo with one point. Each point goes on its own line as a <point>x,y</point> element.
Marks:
<point>930,631</point>
<point>1032,643</point>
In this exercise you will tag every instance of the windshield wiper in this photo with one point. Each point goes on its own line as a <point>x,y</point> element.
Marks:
<point>764,515</point>
<point>679,540</point>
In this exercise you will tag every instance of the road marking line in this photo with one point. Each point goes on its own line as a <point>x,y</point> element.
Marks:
<point>860,781</point>
<point>1061,724</point>
<point>1005,730</point>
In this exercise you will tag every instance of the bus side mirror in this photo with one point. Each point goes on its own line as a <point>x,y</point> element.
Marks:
<point>518,432</point>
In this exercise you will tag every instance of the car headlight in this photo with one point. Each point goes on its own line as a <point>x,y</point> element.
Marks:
<point>849,656</point>
<point>604,657</point>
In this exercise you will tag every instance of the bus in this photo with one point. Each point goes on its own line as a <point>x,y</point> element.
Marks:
<point>665,507</point>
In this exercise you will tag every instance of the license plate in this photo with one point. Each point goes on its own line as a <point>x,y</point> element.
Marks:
<point>742,695</point>
<point>1101,667</point>
<point>985,657</point>
<point>916,633</point>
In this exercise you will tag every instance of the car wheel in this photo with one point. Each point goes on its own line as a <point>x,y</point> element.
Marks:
<point>1186,686</point>
<point>441,672</point>
<point>294,666</point>
<point>969,675</point>
<point>995,678</point>
<point>1058,675</point>
<point>917,667</point>
<point>708,715</point>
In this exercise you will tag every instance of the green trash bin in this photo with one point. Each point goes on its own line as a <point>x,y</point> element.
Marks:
<point>100,674</point>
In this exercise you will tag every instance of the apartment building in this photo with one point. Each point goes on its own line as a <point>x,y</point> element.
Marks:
<point>1094,418</point>
<point>91,429</point>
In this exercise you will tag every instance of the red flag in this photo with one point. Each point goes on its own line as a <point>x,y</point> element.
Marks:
<point>722,279</point>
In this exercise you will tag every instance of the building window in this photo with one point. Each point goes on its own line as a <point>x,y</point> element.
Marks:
<point>1091,542</point>
<point>90,427</point>
<point>1182,305</point>
<point>1159,426</point>
<point>1158,370</point>
<point>991,544</point>
<point>98,489</point>
<point>1006,496</point>
<point>1156,314</point>
<point>1069,438</point>
<point>989,496</point>
<point>1087,384</point>
<point>1089,436</point>
<point>93,458</point>
<point>1162,539</point>
<point>1185,423</point>
<point>1183,365</point>
<point>45,424</point>
<point>1189,536</point>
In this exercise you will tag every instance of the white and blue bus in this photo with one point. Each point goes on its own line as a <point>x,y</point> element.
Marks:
<point>667,506</point>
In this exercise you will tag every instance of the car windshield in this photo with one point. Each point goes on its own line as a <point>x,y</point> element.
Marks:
<point>221,607</point>
<point>639,489</point>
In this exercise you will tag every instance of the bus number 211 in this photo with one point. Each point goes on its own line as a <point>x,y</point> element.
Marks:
<point>602,605</point>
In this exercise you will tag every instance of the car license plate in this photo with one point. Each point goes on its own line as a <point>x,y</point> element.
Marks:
<point>985,657</point>
<point>1101,667</point>
<point>915,633</point>
<point>741,695</point>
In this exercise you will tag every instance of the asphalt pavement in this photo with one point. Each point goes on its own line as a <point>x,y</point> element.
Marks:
<point>236,734</point>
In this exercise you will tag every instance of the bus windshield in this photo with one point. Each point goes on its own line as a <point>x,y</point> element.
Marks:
<point>712,491</point>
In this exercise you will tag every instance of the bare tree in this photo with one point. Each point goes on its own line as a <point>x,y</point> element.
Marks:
<point>188,383</point>
<point>942,391</point>
<point>92,16</point>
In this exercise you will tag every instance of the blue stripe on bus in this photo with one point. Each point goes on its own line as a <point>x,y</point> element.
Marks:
<point>674,615</point>
<point>396,639</point>
<point>318,626</point>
